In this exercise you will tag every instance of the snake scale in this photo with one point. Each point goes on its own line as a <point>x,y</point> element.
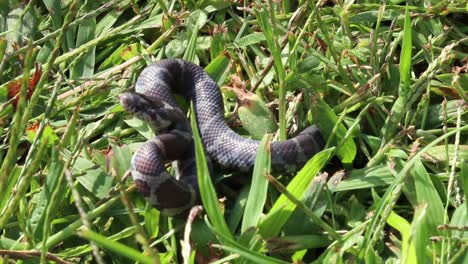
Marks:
<point>153,103</point>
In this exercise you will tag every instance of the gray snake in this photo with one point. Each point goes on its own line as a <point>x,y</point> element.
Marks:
<point>153,102</point>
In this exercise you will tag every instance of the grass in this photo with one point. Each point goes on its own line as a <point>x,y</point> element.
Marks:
<point>386,84</point>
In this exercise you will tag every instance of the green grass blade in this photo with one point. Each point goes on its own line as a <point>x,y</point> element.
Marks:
<point>403,227</point>
<point>282,209</point>
<point>196,21</point>
<point>405,56</point>
<point>420,234</point>
<point>235,247</point>
<point>333,131</point>
<point>3,46</point>
<point>427,194</point>
<point>84,66</point>
<point>259,187</point>
<point>218,69</point>
<point>400,108</point>
<point>250,255</point>
<point>365,178</point>
<point>464,177</point>
<point>116,247</point>
<point>207,191</point>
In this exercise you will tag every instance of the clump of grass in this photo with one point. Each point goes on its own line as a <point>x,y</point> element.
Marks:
<point>386,84</point>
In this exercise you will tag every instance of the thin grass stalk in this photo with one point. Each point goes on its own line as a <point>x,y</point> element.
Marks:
<point>233,246</point>
<point>141,236</point>
<point>341,71</point>
<point>416,9</point>
<point>50,206</point>
<point>161,40</point>
<point>42,125</point>
<point>269,28</point>
<point>17,127</point>
<point>403,104</point>
<point>56,190</point>
<point>22,186</point>
<point>70,230</point>
<point>374,59</point>
<point>84,217</point>
<point>27,256</point>
<point>34,153</point>
<point>451,183</point>
<point>300,36</point>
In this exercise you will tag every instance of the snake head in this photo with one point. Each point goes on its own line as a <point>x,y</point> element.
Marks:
<point>151,110</point>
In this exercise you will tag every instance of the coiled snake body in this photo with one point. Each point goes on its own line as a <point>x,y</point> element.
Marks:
<point>153,103</point>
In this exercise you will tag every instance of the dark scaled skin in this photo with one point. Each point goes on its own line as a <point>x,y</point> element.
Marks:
<point>153,103</point>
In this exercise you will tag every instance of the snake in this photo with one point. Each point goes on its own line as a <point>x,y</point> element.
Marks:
<point>153,103</point>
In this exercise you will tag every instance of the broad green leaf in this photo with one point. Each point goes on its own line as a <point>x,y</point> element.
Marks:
<point>142,127</point>
<point>438,152</point>
<point>92,177</point>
